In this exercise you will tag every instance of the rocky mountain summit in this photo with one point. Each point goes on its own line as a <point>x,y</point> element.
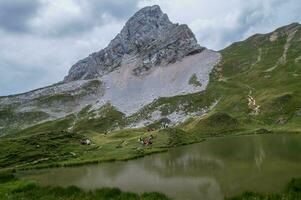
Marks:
<point>149,37</point>
<point>149,59</point>
<point>154,74</point>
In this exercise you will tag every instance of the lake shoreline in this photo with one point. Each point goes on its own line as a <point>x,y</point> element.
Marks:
<point>133,157</point>
<point>222,166</point>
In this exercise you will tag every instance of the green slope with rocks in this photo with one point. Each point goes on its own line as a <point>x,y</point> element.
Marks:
<point>260,79</point>
<point>255,88</point>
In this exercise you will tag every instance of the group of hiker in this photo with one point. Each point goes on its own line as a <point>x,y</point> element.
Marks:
<point>146,141</point>
<point>150,129</point>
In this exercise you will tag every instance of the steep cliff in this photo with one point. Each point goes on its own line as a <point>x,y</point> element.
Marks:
<point>149,37</point>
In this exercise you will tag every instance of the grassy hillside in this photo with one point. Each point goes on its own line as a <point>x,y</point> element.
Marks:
<point>44,104</point>
<point>260,79</point>
<point>256,88</point>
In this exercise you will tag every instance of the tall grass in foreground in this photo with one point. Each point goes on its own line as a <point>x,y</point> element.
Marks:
<point>13,189</point>
<point>291,192</point>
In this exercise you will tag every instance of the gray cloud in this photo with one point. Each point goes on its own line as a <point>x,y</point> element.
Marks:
<point>14,14</point>
<point>100,12</point>
<point>97,13</point>
<point>14,79</point>
<point>57,18</point>
<point>119,9</point>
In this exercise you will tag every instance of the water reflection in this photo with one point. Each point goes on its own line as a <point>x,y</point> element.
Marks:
<point>209,170</point>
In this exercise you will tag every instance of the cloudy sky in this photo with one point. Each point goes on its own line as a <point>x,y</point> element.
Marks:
<point>41,39</point>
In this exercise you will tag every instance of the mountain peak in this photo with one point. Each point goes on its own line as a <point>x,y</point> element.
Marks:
<point>151,11</point>
<point>150,17</point>
<point>149,37</point>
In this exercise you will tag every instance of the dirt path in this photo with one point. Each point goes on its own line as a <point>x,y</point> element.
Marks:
<point>252,104</point>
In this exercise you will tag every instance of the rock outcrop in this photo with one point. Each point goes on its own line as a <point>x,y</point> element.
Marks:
<point>149,37</point>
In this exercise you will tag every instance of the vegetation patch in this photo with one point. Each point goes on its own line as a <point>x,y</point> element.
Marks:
<point>183,103</point>
<point>25,190</point>
<point>106,119</point>
<point>11,121</point>
<point>214,124</point>
<point>176,137</point>
<point>292,192</point>
<point>194,81</point>
<point>55,99</point>
<point>6,176</point>
<point>161,123</point>
<point>52,146</point>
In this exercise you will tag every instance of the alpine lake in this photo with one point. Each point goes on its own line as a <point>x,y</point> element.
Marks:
<point>211,170</point>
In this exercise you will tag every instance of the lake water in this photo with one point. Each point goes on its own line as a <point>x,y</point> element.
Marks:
<point>208,170</point>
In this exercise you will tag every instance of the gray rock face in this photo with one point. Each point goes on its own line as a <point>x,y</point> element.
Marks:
<point>149,37</point>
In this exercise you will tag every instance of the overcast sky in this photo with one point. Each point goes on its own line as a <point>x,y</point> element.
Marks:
<point>41,39</point>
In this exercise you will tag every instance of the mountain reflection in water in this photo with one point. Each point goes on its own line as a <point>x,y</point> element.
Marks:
<point>208,170</point>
